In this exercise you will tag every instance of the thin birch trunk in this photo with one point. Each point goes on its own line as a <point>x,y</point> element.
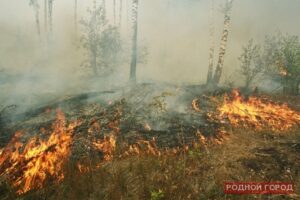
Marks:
<point>37,20</point>
<point>75,16</point>
<point>212,45</point>
<point>223,45</point>
<point>50,7</point>
<point>36,7</point>
<point>120,13</point>
<point>135,6</point>
<point>114,11</point>
<point>104,7</point>
<point>46,16</point>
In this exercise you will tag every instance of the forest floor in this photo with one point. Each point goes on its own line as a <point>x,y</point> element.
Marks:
<point>150,142</point>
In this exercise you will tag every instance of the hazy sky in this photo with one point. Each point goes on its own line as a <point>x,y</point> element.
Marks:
<point>175,32</point>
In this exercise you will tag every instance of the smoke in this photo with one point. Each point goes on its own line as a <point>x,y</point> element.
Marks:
<point>175,33</point>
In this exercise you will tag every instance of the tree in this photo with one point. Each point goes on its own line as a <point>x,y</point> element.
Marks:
<point>120,12</point>
<point>101,41</point>
<point>114,11</point>
<point>104,7</point>
<point>36,7</point>
<point>212,45</point>
<point>219,68</point>
<point>110,49</point>
<point>75,16</point>
<point>251,63</point>
<point>282,58</point>
<point>46,15</point>
<point>135,7</point>
<point>50,8</point>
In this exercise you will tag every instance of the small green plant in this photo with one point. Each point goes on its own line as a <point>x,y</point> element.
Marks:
<point>157,195</point>
<point>251,63</point>
<point>159,102</point>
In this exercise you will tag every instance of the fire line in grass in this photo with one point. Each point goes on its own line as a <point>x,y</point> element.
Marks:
<point>29,166</point>
<point>258,113</point>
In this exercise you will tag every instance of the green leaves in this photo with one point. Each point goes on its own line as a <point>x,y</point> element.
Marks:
<point>282,59</point>
<point>157,195</point>
<point>251,62</point>
<point>102,43</point>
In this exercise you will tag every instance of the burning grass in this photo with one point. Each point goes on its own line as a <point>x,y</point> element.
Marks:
<point>28,166</point>
<point>122,143</point>
<point>258,113</point>
<point>193,174</point>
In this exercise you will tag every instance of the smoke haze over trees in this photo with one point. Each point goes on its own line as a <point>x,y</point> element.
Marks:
<point>174,33</point>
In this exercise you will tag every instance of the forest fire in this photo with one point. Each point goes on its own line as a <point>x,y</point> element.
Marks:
<point>107,146</point>
<point>143,147</point>
<point>258,113</point>
<point>28,166</point>
<point>195,105</point>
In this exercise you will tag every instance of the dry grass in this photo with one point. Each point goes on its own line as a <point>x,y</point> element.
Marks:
<point>196,174</point>
<point>247,155</point>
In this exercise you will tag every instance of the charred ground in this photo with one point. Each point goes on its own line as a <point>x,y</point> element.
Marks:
<point>154,141</point>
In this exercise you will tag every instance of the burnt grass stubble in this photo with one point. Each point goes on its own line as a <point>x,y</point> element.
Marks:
<point>197,173</point>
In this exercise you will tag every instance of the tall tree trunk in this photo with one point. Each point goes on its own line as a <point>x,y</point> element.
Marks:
<point>46,16</point>
<point>93,42</point>
<point>37,20</point>
<point>223,45</point>
<point>135,7</point>
<point>212,45</point>
<point>120,13</point>
<point>104,7</point>
<point>291,86</point>
<point>75,16</point>
<point>297,87</point>
<point>127,9</point>
<point>36,7</point>
<point>50,7</point>
<point>288,86</point>
<point>94,63</point>
<point>114,11</point>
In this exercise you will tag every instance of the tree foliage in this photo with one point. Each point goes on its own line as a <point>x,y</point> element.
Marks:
<point>35,5</point>
<point>282,57</point>
<point>102,43</point>
<point>251,63</point>
<point>50,13</point>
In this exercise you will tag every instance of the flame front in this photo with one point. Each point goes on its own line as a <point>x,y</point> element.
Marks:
<point>195,105</point>
<point>258,114</point>
<point>107,146</point>
<point>29,169</point>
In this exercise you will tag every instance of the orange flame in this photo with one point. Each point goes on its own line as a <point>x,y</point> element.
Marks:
<point>258,113</point>
<point>29,169</point>
<point>82,168</point>
<point>147,127</point>
<point>107,146</point>
<point>195,105</point>
<point>143,147</point>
